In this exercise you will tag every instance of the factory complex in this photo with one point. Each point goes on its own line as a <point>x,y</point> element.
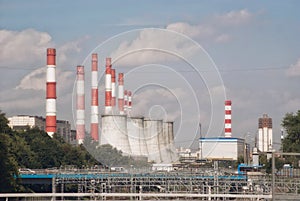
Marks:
<point>134,136</point>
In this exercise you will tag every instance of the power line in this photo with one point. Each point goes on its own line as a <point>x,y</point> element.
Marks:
<point>240,69</point>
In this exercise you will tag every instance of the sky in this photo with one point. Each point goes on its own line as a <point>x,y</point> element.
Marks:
<point>181,59</point>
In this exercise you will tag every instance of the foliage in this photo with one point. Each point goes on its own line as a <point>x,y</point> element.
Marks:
<point>110,156</point>
<point>34,149</point>
<point>291,142</point>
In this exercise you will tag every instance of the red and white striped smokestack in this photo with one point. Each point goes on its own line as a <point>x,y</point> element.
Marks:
<point>129,101</point>
<point>125,101</point>
<point>51,92</point>
<point>121,93</point>
<point>113,88</point>
<point>108,89</point>
<point>80,117</point>
<point>228,118</point>
<point>94,106</point>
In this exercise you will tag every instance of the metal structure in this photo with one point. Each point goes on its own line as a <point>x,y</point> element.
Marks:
<point>183,183</point>
<point>94,103</point>
<point>199,183</point>
<point>286,181</point>
<point>80,103</point>
<point>51,92</point>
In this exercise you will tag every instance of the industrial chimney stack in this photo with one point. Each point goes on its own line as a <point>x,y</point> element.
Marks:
<point>80,116</point>
<point>121,93</point>
<point>125,101</point>
<point>108,87</point>
<point>51,92</point>
<point>228,118</point>
<point>94,106</point>
<point>113,88</point>
<point>129,107</point>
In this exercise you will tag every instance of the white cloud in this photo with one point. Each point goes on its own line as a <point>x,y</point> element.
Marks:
<point>223,38</point>
<point>145,100</point>
<point>235,17</point>
<point>294,70</point>
<point>36,80</point>
<point>191,30</point>
<point>152,46</point>
<point>23,47</point>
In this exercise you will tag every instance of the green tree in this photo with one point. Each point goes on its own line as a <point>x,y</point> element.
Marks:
<point>291,142</point>
<point>291,123</point>
<point>8,166</point>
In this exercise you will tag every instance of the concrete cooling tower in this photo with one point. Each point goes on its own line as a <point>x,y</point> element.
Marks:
<point>171,144</point>
<point>136,138</point>
<point>114,132</point>
<point>153,130</point>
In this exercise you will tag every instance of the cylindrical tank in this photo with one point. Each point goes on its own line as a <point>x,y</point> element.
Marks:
<point>135,130</point>
<point>152,132</point>
<point>114,132</point>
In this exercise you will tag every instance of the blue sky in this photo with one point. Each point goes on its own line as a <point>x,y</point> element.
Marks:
<point>255,46</point>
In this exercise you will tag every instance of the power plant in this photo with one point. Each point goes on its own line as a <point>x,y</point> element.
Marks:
<point>134,136</point>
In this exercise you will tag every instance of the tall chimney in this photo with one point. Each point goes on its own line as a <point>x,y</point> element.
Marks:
<point>113,88</point>
<point>129,101</point>
<point>121,93</point>
<point>80,117</point>
<point>108,87</point>
<point>51,92</point>
<point>125,101</point>
<point>94,106</point>
<point>228,118</point>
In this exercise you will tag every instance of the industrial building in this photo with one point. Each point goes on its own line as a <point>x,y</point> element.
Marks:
<point>22,122</point>
<point>221,148</point>
<point>225,147</point>
<point>265,134</point>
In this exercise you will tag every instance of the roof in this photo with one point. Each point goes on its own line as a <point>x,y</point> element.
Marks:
<point>221,139</point>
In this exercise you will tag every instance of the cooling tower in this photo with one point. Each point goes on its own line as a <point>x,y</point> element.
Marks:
<point>173,153</point>
<point>114,132</point>
<point>135,130</point>
<point>165,148</point>
<point>152,132</point>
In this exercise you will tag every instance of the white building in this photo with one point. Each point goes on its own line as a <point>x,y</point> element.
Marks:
<point>265,135</point>
<point>22,122</point>
<point>221,148</point>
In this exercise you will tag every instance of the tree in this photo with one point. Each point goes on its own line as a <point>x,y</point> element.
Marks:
<point>291,142</point>
<point>291,123</point>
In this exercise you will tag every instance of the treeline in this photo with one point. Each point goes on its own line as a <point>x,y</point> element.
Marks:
<point>34,149</point>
